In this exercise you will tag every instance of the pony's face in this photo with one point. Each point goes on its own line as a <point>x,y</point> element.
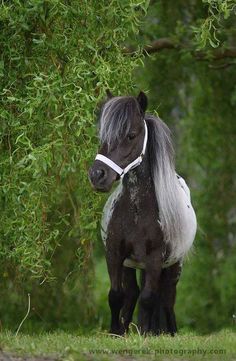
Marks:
<point>122,134</point>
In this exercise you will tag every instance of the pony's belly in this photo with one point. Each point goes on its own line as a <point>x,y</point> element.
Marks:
<point>190,228</point>
<point>133,263</point>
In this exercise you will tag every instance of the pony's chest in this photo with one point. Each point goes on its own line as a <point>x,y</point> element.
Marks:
<point>129,215</point>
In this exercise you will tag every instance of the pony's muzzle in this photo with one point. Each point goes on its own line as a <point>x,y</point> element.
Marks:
<point>101,177</point>
<point>97,175</point>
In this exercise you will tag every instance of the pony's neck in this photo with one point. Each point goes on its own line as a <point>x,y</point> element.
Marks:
<point>140,176</point>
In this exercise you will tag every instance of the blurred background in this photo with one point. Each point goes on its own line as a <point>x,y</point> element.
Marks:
<point>57,58</point>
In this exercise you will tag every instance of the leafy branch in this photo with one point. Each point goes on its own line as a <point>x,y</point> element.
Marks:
<point>167,43</point>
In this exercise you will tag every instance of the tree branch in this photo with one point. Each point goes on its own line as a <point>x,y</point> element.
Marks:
<point>160,44</point>
<point>166,43</point>
<point>154,47</point>
<point>216,54</point>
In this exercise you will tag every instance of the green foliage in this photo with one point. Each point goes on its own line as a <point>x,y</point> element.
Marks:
<point>57,58</point>
<point>210,28</point>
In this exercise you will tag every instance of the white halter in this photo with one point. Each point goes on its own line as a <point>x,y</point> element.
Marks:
<point>130,166</point>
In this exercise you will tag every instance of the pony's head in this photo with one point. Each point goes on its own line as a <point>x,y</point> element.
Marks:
<point>122,136</point>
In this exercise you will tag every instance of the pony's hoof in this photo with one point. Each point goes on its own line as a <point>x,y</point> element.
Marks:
<point>117,331</point>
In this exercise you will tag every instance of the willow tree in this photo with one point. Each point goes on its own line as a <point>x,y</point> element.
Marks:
<point>190,71</point>
<point>57,58</point>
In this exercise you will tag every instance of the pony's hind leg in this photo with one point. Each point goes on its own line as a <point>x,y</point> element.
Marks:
<point>168,281</point>
<point>158,320</point>
<point>149,294</point>
<point>131,293</point>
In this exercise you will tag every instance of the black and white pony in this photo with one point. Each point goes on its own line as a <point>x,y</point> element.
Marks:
<point>148,221</point>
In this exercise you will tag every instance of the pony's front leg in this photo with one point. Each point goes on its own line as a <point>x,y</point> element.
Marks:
<point>131,292</point>
<point>116,293</point>
<point>149,296</point>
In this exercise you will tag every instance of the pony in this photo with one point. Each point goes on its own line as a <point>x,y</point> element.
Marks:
<point>148,222</point>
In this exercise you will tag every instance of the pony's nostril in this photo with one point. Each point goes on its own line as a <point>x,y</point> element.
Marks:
<point>100,173</point>
<point>97,175</point>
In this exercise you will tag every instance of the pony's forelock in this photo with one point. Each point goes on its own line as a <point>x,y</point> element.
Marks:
<point>115,119</point>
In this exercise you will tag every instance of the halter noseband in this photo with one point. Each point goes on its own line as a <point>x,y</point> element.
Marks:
<point>132,165</point>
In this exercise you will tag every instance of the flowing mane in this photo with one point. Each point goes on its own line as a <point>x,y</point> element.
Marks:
<point>167,188</point>
<point>114,126</point>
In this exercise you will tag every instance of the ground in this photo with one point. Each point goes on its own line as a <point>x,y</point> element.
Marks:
<point>101,346</point>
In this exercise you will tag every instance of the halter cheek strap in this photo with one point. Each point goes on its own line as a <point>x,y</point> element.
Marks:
<point>132,165</point>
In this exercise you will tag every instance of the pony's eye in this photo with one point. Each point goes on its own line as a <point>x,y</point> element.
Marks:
<point>131,136</point>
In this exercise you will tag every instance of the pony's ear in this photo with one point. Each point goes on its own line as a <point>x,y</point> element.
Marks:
<point>109,94</point>
<point>143,101</point>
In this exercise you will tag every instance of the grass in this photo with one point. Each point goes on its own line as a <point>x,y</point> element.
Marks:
<point>101,346</point>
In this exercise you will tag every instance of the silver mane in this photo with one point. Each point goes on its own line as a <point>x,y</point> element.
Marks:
<point>168,191</point>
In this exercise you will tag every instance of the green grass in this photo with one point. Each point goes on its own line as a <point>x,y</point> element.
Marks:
<point>101,346</point>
